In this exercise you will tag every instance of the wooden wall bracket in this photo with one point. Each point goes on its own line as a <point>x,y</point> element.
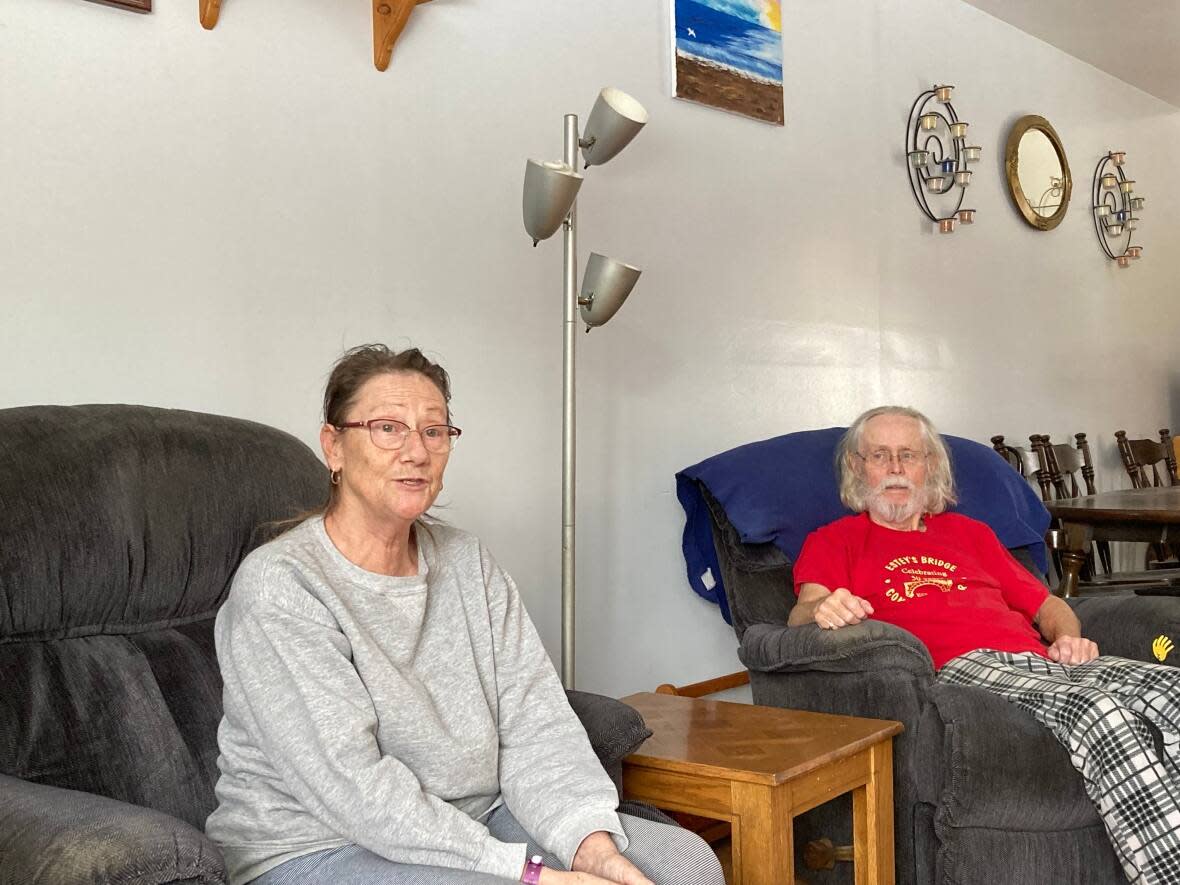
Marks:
<point>389,20</point>
<point>210,9</point>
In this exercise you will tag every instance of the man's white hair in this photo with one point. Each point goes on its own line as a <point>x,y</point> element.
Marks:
<point>855,492</point>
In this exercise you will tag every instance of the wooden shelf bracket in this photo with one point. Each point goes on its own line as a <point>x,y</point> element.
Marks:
<point>389,20</point>
<point>210,9</point>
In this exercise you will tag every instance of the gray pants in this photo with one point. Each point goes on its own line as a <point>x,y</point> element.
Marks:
<point>665,854</point>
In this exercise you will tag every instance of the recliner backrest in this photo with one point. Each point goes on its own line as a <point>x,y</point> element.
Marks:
<point>756,577</point>
<point>120,530</point>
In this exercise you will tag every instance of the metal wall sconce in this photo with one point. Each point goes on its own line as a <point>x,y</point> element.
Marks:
<point>550,194</point>
<point>1114,204</point>
<point>937,156</point>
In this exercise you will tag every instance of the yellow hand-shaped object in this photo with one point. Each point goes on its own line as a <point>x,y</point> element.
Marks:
<point>1161,647</point>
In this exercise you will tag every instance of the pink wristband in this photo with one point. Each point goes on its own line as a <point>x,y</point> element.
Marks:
<point>532,870</point>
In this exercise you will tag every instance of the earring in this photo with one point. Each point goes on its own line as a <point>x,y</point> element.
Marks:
<point>335,477</point>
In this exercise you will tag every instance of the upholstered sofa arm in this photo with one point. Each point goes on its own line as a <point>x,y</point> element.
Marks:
<point>49,835</point>
<point>1136,627</point>
<point>869,646</point>
<point>615,730</point>
<point>1000,768</point>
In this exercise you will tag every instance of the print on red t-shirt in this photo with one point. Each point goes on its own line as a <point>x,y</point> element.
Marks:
<point>954,585</point>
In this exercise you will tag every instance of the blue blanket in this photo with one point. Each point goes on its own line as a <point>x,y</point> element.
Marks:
<point>780,490</point>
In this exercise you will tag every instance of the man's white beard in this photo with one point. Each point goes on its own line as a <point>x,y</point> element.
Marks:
<point>895,512</point>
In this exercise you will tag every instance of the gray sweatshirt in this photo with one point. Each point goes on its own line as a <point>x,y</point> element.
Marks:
<point>393,712</point>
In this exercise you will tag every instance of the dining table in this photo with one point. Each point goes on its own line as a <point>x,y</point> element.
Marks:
<point>1149,514</point>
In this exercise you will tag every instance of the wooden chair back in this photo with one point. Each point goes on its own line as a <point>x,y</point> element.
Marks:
<point>1060,466</point>
<point>1062,463</point>
<point>1139,454</point>
<point>1023,461</point>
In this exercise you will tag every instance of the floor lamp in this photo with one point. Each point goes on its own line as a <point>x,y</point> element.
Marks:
<point>550,192</point>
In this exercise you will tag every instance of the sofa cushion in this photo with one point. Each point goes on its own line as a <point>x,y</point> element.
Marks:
<point>50,835</point>
<point>129,717</point>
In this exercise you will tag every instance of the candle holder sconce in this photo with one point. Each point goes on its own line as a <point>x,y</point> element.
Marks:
<point>938,157</point>
<point>1114,204</point>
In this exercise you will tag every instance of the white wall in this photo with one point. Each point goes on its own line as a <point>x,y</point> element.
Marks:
<point>205,219</point>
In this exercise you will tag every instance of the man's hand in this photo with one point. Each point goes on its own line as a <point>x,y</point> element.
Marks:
<point>1072,650</point>
<point>598,856</point>
<point>1061,628</point>
<point>841,609</point>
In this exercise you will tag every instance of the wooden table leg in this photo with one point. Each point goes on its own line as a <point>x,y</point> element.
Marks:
<point>1076,540</point>
<point>763,842</point>
<point>872,820</point>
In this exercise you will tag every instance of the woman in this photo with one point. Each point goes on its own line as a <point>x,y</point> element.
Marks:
<point>390,713</point>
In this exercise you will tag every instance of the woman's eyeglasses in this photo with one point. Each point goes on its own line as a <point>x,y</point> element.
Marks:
<point>391,435</point>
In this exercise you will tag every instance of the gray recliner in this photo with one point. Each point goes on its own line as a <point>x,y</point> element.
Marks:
<point>120,530</point>
<point>983,793</point>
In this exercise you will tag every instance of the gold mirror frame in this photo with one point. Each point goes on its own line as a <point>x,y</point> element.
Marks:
<point>1012,155</point>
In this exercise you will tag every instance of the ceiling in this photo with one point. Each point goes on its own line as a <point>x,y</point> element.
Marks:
<point>1137,42</point>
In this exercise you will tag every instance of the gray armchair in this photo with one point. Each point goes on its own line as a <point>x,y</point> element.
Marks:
<point>983,793</point>
<point>120,529</point>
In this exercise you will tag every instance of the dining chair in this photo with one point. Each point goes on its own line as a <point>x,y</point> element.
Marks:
<point>1023,461</point>
<point>1060,465</point>
<point>1139,454</point>
<point>1029,463</point>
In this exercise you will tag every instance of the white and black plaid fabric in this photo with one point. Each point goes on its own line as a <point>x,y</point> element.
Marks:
<point>1120,721</point>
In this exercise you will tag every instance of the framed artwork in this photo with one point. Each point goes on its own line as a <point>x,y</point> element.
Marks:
<point>133,5</point>
<point>728,54</point>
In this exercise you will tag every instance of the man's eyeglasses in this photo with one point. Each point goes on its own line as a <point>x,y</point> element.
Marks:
<point>907,458</point>
<point>391,435</point>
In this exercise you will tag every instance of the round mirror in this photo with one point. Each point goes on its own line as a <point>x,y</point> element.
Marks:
<point>1037,172</point>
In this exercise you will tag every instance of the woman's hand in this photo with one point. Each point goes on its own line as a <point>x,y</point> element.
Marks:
<point>598,856</point>
<point>561,877</point>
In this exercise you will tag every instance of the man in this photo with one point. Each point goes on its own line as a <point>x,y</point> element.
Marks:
<point>988,622</point>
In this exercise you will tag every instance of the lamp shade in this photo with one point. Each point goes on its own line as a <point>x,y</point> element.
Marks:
<point>549,191</point>
<point>615,119</point>
<point>605,286</point>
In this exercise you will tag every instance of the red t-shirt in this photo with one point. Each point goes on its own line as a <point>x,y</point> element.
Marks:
<point>954,585</point>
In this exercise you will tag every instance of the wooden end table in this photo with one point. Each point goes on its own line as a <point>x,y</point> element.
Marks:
<point>759,767</point>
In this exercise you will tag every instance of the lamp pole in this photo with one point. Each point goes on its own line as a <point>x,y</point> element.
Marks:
<point>568,453</point>
<point>550,202</point>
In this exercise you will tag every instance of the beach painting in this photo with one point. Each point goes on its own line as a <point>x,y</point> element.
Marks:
<point>728,54</point>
